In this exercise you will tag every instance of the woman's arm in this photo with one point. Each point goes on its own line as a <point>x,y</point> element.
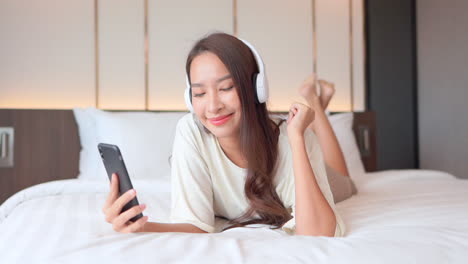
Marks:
<point>121,221</point>
<point>160,227</point>
<point>313,214</point>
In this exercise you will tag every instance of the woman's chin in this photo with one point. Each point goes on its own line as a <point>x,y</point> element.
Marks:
<point>223,131</point>
<point>220,132</point>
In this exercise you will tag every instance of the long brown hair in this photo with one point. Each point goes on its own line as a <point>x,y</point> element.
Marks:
<point>258,133</point>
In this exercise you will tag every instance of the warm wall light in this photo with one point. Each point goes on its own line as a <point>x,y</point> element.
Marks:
<point>55,104</point>
<point>59,105</point>
<point>170,106</point>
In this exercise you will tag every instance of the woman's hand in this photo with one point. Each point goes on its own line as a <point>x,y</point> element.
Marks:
<point>113,206</point>
<point>300,117</point>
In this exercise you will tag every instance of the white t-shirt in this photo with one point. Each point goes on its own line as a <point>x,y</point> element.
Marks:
<point>206,184</point>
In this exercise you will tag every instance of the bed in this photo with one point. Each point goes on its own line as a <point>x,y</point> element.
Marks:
<point>397,216</point>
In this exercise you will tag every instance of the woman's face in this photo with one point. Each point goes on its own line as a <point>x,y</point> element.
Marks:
<point>214,97</point>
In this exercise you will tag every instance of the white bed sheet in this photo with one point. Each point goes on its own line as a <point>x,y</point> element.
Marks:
<point>401,216</point>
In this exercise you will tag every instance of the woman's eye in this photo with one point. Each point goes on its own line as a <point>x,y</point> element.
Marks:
<point>227,89</point>
<point>198,95</point>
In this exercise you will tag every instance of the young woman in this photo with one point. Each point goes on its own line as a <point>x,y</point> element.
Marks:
<point>232,160</point>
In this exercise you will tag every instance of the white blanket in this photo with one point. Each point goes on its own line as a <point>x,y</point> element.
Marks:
<point>404,216</point>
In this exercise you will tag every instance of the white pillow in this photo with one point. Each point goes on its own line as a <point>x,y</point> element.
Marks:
<point>145,140</point>
<point>88,163</point>
<point>342,125</point>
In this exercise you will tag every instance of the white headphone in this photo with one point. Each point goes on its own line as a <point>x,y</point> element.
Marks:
<point>260,80</point>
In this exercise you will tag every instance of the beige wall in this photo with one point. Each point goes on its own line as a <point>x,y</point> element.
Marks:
<point>46,54</point>
<point>443,85</point>
<point>173,28</point>
<point>49,59</point>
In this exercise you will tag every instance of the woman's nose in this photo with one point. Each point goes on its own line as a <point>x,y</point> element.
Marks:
<point>214,104</point>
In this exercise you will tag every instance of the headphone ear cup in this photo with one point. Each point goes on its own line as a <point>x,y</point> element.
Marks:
<point>187,95</point>
<point>260,80</point>
<point>255,86</point>
<point>188,99</point>
<point>261,85</point>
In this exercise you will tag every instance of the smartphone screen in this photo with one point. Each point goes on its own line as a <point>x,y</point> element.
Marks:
<point>114,163</point>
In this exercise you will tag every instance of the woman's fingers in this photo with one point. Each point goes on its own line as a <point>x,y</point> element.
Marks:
<point>115,184</point>
<point>293,110</point>
<point>136,226</point>
<point>117,206</point>
<point>297,107</point>
<point>113,194</point>
<point>120,222</point>
<point>113,208</point>
<point>123,200</point>
<point>300,116</point>
<point>302,108</point>
<point>290,116</point>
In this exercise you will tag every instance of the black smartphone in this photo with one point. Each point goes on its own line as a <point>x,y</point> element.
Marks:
<point>114,163</point>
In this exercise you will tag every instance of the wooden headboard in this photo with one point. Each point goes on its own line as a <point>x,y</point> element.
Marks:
<point>47,147</point>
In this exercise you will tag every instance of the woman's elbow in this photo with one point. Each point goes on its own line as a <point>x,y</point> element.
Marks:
<point>316,233</point>
<point>327,230</point>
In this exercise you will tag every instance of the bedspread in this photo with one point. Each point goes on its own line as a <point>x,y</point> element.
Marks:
<point>398,216</point>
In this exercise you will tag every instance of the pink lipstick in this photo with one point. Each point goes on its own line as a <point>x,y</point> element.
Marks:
<point>217,121</point>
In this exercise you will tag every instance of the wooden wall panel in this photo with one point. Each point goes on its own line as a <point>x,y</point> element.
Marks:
<point>46,148</point>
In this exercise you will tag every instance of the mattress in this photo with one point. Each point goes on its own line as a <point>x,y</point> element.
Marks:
<point>398,216</point>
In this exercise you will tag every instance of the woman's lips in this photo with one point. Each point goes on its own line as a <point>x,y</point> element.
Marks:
<point>217,121</point>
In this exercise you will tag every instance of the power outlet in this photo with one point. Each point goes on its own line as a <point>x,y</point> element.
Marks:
<point>7,139</point>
